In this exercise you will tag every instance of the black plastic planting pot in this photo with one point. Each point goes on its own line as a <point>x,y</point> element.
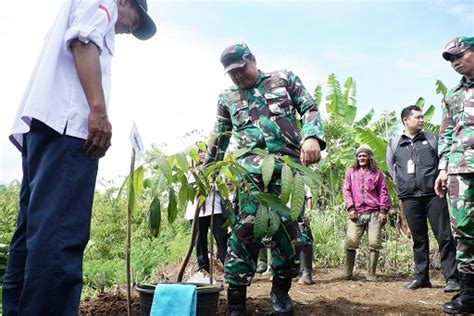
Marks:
<point>207,298</point>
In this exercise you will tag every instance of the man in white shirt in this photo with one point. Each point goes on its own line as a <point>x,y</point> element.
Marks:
<point>62,129</point>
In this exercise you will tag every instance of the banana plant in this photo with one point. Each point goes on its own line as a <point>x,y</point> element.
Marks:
<point>342,103</point>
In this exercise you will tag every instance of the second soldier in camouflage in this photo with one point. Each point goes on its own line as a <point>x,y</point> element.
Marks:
<point>456,150</point>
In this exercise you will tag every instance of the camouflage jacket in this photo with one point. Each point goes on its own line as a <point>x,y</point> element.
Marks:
<point>456,136</point>
<point>264,116</point>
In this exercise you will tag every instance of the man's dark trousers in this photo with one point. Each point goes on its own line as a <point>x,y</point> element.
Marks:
<point>44,271</point>
<point>220,235</point>
<point>417,210</point>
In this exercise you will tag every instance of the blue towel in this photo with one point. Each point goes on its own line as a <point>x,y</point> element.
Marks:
<point>174,299</point>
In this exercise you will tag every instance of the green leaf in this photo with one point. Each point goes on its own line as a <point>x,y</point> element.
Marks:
<point>334,97</point>
<point>433,128</point>
<point>227,173</point>
<point>183,195</point>
<point>441,88</point>
<point>222,188</point>
<point>122,187</point>
<point>155,217</point>
<point>350,91</point>
<point>286,183</point>
<point>297,197</point>
<point>138,175</point>
<point>147,183</point>
<point>181,161</point>
<point>193,153</point>
<point>191,193</point>
<point>260,227</point>
<point>172,206</point>
<point>303,169</point>
<point>420,103</point>
<point>428,115</point>
<point>318,94</point>
<point>273,202</point>
<point>363,122</point>
<point>240,152</point>
<point>275,222</point>
<point>350,114</point>
<point>164,167</point>
<point>268,165</point>
<point>259,151</point>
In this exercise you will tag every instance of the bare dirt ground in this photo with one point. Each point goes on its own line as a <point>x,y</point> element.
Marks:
<point>330,295</point>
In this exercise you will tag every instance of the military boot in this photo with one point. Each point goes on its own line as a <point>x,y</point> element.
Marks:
<point>350,261</point>
<point>236,296</point>
<point>462,303</point>
<point>281,300</point>
<point>373,258</point>
<point>306,262</point>
<point>262,260</point>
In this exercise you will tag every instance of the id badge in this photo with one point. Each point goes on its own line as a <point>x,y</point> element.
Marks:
<point>410,167</point>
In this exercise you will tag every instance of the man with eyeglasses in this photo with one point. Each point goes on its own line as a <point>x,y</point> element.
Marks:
<point>62,129</point>
<point>456,176</point>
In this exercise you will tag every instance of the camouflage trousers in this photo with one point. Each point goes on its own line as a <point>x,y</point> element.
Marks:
<point>243,248</point>
<point>461,197</point>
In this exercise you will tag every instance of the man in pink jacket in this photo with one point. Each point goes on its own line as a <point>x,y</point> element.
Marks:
<point>367,204</point>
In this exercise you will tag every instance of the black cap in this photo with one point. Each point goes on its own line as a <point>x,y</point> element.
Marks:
<point>147,27</point>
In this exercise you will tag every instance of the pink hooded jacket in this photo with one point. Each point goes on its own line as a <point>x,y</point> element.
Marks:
<point>365,191</point>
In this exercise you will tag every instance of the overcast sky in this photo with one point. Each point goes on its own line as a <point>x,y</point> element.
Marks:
<point>169,84</point>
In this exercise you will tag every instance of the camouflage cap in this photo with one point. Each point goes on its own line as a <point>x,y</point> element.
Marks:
<point>457,46</point>
<point>234,56</point>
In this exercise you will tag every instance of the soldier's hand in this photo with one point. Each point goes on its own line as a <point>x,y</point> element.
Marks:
<point>441,183</point>
<point>310,151</point>
<point>100,134</point>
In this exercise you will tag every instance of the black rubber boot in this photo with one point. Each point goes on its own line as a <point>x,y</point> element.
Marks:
<point>306,262</point>
<point>462,303</point>
<point>281,300</point>
<point>350,261</point>
<point>236,296</point>
<point>373,259</point>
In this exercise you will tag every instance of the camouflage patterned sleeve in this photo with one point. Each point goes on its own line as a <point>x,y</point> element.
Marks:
<point>221,135</point>
<point>307,108</point>
<point>445,137</point>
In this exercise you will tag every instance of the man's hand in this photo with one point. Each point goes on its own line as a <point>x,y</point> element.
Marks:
<point>310,151</point>
<point>100,134</point>
<point>87,62</point>
<point>382,218</point>
<point>441,183</point>
<point>353,215</point>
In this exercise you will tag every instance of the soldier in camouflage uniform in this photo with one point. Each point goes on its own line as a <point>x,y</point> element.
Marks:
<point>456,150</point>
<point>260,111</point>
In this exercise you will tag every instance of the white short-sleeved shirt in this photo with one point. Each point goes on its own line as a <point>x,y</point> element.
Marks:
<point>206,209</point>
<point>54,94</point>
